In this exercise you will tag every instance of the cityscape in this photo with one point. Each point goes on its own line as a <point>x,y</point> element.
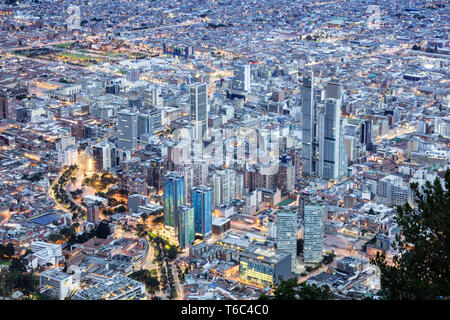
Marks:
<point>216,149</point>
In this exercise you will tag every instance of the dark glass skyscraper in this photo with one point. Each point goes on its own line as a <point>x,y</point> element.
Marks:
<point>202,203</point>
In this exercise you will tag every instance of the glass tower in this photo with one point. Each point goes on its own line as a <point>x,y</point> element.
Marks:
<point>186,229</point>
<point>173,199</point>
<point>202,203</point>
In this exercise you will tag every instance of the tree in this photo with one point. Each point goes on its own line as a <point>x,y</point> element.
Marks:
<point>9,250</point>
<point>300,245</point>
<point>121,209</point>
<point>291,290</point>
<point>421,269</point>
<point>102,230</point>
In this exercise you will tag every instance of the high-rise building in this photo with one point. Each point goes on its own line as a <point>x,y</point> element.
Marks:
<point>287,234</point>
<point>313,233</point>
<point>155,171</point>
<point>366,134</point>
<point>323,147</point>
<point>202,203</point>
<point>199,109</point>
<point>241,77</point>
<point>8,104</point>
<point>93,214</point>
<point>144,124</point>
<point>223,183</point>
<point>173,199</point>
<point>186,227</point>
<point>309,136</point>
<point>330,159</point>
<point>104,156</point>
<point>127,129</point>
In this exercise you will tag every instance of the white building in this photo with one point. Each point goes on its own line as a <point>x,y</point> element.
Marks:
<point>45,252</point>
<point>313,234</point>
<point>241,77</point>
<point>286,234</point>
<point>59,283</point>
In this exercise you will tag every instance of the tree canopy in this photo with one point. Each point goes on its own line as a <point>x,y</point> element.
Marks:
<point>292,290</point>
<point>421,269</point>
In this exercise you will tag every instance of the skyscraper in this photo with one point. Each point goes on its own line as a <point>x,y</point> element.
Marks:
<point>186,228</point>
<point>331,139</point>
<point>104,156</point>
<point>93,214</point>
<point>313,234</point>
<point>241,77</point>
<point>127,129</point>
<point>287,234</point>
<point>366,134</point>
<point>309,136</point>
<point>323,147</point>
<point>144,125</point>
<point>199,109</point>
<point>202,203</point>
<point>173,199</point>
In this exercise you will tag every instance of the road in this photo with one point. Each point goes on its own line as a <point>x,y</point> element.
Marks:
<point>178,287</point>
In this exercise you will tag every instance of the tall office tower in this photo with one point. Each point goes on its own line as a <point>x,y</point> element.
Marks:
<point>239,186</point>
<point>186,228</point>
<point>202,203</point>
<point>144,124</point>
<point>200,168</point>
<point>127,129</point>
<point>287,234</point>
<point>173,199</point>
<point>323,144</point>
<point>241,77</point>
<point>309,121</point>
<point>104,156</point>
<point>223,184</point>
<point>187,173</point>
<point>366,134</point>
<point>93,214</point>
<point>152,97</point>
<point>313,234</point>
<point>8,104</point>
<point>330,159</point>
<point>156,114</point>
<point>199,109</point>
<point>155,171</point>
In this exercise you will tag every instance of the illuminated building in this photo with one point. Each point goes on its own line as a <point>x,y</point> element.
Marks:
<point>186,226</point>
<point>202,203</point>
<point>104,156</point>
<point>323,147</point>
<point>287,234</point>
<point>241,77</point>
<point>309,143</point>
<point>263,267</point>
<point>58,284</point>
<point>173,199</point>
<point>199,109</point>
<point>154,173</point>
<point>93,213</point>
<point>127,129</point>
<point>313,233</point>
